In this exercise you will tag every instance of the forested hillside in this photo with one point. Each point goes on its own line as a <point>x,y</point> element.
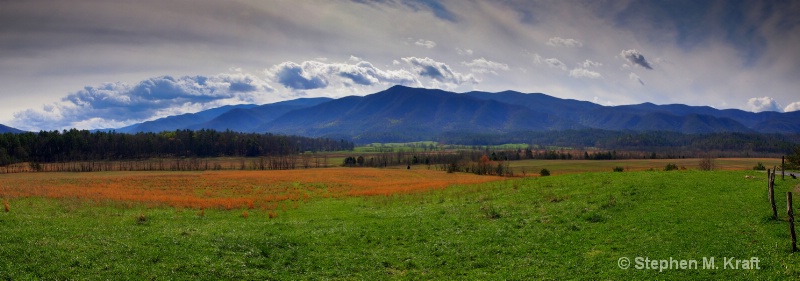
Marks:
<point>82,145</point>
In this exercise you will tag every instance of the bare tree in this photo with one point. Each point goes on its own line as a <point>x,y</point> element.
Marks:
<point>707,163</point>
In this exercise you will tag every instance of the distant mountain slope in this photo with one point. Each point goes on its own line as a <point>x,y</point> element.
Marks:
<point>6,129</point>
<point>748,119</point>
<point>413,111</point>
<point>404,113</point>
<point>620,119</point>
<point>249,119</point>
<point>182,121</point>
<point>641,117</point>
<point>562,108</point>
<point>242,118</point>
<point>783,123</point>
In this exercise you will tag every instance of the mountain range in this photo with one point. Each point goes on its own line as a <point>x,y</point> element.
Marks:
<point>417,113</point>
<point>6,129</point>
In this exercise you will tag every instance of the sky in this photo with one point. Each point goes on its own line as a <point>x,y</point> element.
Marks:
<point>90,64</point>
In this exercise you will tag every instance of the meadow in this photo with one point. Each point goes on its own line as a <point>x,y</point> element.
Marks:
<point>345,224</point>
<point>560,167</point>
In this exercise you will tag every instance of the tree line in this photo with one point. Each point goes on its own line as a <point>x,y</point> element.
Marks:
<point>468,161</point>
<point>82,145</point>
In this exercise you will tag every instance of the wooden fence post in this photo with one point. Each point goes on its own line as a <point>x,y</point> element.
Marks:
<point>771,186</point>
<point>783,163</point>
<point>790,212</point>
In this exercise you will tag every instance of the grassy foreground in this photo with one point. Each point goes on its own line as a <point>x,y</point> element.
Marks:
<point>575,226</point>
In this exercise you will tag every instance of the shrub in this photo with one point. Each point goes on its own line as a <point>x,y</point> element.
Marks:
<point>671,167</point>
<point>245,214</point>
<point>544,172</point>
<point>793,160</point>
<point>141,218</point>
<point>759,167</point>
<point>707,163</point>
<point>490,212</point>
<point>618,169</point>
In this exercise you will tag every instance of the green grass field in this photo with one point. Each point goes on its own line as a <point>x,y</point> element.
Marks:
<point>559,167</point>
<point>574,226</point>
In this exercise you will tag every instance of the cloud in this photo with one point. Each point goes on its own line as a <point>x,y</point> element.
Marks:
<point>310,75</point>
<point>483,65</point>
<point>635,58</point>
<point>635,77</point>
<point>70,44</point>
<point>464,52</point>
<point>438,71</point>
<point>600,101</point>
<point>425,43</point>
<point>795,106</point>
<point>438,10</point>
<point>293,76</point>
<point>589,63</point>
<point>554,62</point>
<point>763,104</point>
<point>582,72</point>
<point>561,42</point>
<point>119,104</point>
<point>537,59</point>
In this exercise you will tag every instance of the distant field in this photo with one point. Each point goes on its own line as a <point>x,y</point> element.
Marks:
<point>227,189</point>
<point>423,145</point>
<point>558,167</point>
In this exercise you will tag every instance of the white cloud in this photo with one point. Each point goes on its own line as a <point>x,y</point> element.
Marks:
<point>763,104</point>
<point>464,52</point>
<point>117,104</point>
<point>310,75</point>
<point>425,43</point>
<point>795,106</point>
<point>483,65</point>
<point>106,42</point>
<point>589,63</point>
<point>600,101</point>
<point>555,63</point>
<point>537,59</point>
<point>582,72</point>
<point>561,42</point>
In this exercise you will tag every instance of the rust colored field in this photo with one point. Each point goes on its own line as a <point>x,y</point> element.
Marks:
<point>228,189</point>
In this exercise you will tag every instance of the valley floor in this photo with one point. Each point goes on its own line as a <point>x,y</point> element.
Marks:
<point>575,225</point>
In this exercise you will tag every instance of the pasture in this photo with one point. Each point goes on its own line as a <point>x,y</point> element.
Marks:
<point>560,167</point>
<point>389,224</point>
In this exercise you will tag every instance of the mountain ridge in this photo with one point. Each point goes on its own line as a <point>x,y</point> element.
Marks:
<point>6,129</point>
<point>419,113</point>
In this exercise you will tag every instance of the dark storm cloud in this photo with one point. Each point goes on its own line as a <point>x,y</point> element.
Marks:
<point>292,76</point>
<point>438,71</point>
<point>635,58</point>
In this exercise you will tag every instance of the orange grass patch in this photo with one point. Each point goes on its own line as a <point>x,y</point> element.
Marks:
<point>229,189</point>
